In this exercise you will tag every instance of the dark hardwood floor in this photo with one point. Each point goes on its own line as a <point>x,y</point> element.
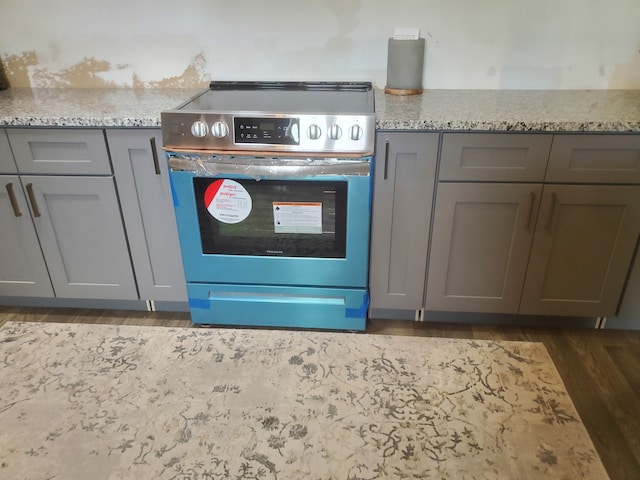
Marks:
<point>600,368</point>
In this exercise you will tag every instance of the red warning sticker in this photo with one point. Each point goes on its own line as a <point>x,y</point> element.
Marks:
<point>227,201</point>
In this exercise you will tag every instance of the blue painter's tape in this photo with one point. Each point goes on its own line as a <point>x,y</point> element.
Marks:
<point>202,304</point>
<point>174,196</point>
<point>360,312</point>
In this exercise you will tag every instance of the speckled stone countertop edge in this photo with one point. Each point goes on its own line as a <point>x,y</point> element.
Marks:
<point>426,125</point>
<point>615,111</point>
<point>488,126</point>
<point>80,122</point>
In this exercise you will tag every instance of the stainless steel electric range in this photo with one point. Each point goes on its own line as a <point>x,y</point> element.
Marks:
<point>272,195</point>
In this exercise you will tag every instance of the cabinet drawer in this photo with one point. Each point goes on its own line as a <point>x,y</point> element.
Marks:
<point>503,157</point>
<point>58,151</point>
<point>595,159</point>
<point>6,157</point>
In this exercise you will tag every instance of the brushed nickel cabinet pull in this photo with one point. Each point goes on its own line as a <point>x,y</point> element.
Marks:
<point>532,196</point>
<point>154,153</point>
<point>554,200</point>
<point>13,200</point>
<point>386,159</point>
<point>32,199</point>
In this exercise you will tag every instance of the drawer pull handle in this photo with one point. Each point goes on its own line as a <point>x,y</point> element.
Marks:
<point>32,199</point>
<point>552,210</point>
<point>154,154</point>
<point>532,196</point>
<point>386,159</point>
<point>13,200</point>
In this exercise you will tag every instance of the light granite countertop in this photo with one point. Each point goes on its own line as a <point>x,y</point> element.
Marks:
<point>88,107</point>
<point>472,110</point>
<point>518,110</point>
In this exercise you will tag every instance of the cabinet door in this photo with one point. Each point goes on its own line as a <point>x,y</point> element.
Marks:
<point>80,229</point>
<point>60,151</point>
<point>404,181</point>
<point>147,207</point>
<point>7,165</point>
<point>584,243</point>
<point>482,236</point>
<point>23,272</point>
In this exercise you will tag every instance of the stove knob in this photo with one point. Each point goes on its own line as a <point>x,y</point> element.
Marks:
<point>335,132</point>
<point>199,129</point>
<point>219,130</point>
<point>314,132</point>
<point>355,132</point>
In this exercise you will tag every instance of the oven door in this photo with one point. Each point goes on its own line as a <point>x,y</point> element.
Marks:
<point>285,222</point>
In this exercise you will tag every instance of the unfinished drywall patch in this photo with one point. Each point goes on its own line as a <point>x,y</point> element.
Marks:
<point>84,74</point>
<point>194,76</point>
<point>24,70</point>
<point>16,67</point>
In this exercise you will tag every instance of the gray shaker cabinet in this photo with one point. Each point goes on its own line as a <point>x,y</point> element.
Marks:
<point>23,272</point>
<point>78,225</point>
<point>80,230</point>
<point>583,247</point>
<point>487,257</point>
<point>587,232</point>
<point>494,157</point>
<point>147,207</point>
<point>58,151</point>
<point>483,226</point>
<point>480,246</point>
<point>595,159</point>
<point>7,165</point>
<point>405,169</point>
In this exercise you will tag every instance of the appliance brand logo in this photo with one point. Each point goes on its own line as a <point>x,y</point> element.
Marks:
<point>276,252</point>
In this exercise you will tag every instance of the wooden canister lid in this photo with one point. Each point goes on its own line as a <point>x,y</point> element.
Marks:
<point>402,91</point>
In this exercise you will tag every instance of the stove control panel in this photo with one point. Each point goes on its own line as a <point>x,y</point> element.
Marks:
<point>267,131</point>
<point>326,134</point>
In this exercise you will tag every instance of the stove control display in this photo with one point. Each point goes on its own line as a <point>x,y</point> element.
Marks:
<point>272,131</point>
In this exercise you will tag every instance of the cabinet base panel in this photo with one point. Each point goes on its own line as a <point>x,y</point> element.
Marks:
<point>486,318</point>
<point>92,303</point>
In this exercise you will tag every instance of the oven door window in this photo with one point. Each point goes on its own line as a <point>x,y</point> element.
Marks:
<point>289,218</point>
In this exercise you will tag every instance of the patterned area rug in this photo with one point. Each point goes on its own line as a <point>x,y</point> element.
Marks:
<point>123,402</point>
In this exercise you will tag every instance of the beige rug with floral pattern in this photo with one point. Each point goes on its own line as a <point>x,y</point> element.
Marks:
<point>123,402</point>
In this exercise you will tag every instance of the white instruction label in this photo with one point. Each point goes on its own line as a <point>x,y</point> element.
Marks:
<point>297,217</point>
<point>227,201</point>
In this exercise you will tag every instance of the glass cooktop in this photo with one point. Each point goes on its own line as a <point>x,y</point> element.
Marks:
<point>318,98</point>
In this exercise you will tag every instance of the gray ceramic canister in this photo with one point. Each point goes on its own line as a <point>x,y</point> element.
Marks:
<point>405,61</point>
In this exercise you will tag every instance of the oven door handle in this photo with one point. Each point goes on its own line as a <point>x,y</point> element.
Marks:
<point>274,298</point>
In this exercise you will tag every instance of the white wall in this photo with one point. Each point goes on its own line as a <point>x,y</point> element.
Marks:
<point>546,44</point>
